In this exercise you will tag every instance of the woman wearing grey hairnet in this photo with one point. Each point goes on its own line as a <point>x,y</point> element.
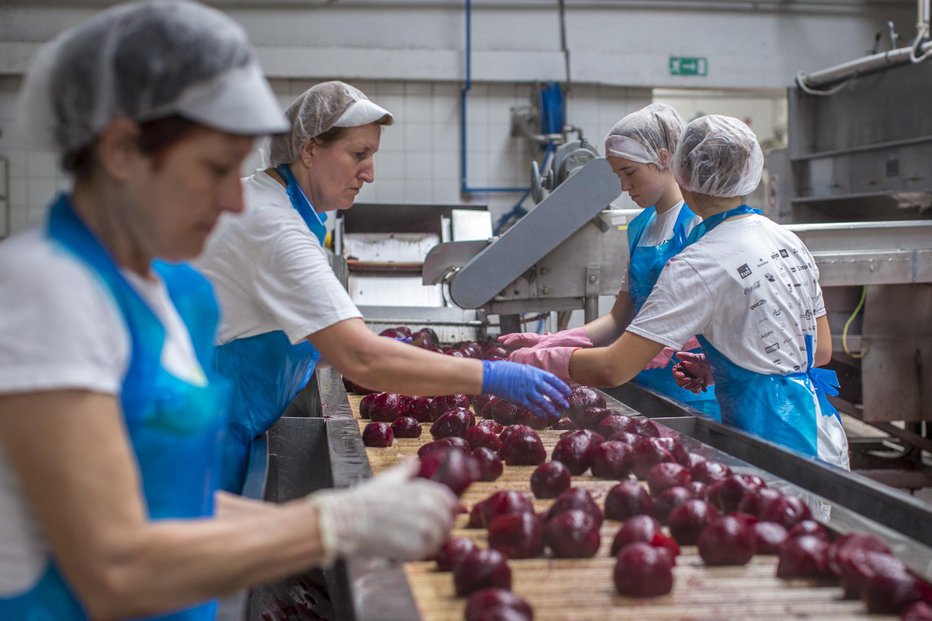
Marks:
<point>749,289</point>
<point>283,307</point>
<point>110,412</point>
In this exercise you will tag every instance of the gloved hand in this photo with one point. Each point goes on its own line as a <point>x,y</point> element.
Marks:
<point>553,359</point>
<point>662,359</point>
<point>392,515</point>
<point>692,372</point>
<point>566,338</point>
<point>537,390</point>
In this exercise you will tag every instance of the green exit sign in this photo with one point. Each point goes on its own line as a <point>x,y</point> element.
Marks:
<point>689,65</point>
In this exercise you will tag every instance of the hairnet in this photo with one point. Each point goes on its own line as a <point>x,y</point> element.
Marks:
<point>320,108</point>
<point>718,156</point>
<point>641,135</point>
<point>145,61</point>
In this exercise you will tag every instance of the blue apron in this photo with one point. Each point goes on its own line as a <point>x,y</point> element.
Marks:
<point>644,267</point>
<point>267,371</point>
<point>779,408</point>
<point>174,427</point>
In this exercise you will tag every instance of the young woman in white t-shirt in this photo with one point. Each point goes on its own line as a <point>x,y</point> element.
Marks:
<point>748,288</point>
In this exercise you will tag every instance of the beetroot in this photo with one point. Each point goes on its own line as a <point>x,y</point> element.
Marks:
<point>803,557</point>
<point>611,460</point>
<point>699,490</point>
<point>419,408</point>
<point>524,416</point>
<point>502,412</point>
<point>582,398</point>
<point>624,436</point>
<point>386,407</point>
<point>499,503</point>
<point>406,427</point>
<point>787,511</point>
<point>452,423</point>
<point>443,444</point>
<point>427,334</point>
<point>492,600</point>
<point>726,541</point>
<point>709,472</point>
<point>573,534</point>
<point>490,464</point>
<point>440,405</point>
<point>575,498</point>
<point>490,425</point>
<point>613,423</point>
<point>664,476</point>
<point>479,402</point>
<point>841,550</point>
<point>642,570</point>
<point>574,450</point>
<point>378,434</point>
<point>627,499</point>
<point>918,611</point>
<point>661,540</point>
<point>590,417</point>
<point>645,427</point>
<point>517,535</point>
<point>478,436</point>
<point>452,551</point>
<point>860,565</point>
<point>550,479</point>
<point>889,590</point>
<point>637,528</point>
<point>688,520</point>
<point>754,501</point>
<point>564,424</point>
<point>514,431</point>
<point>668,500</point>
<point>810,527</point>
<point>769,537</point>
<point>522,449</point>
<point>647,453</point>
<point>726,494</point>
<point>454,468</point>
<point>396,332</point>
<point>481,569</point>
<point>365,405</point>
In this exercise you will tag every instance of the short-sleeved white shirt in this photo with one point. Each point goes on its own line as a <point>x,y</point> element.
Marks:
<point>660,231</point>
<point>269,271</point>
<point>749,286</point>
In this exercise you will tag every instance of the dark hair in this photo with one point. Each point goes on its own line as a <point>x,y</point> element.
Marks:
<point>330,136</point>
<point>156,138</point>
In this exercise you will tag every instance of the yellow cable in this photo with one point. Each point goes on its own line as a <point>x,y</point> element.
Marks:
<point>844,333</point>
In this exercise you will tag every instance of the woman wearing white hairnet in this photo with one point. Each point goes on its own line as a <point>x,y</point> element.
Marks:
<point>283,307</point>
<point>749,289</point>
<point>110,412</point>
<point>639,149</point>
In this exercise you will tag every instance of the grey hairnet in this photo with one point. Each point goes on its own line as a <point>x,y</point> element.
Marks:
<point>317,110</point>
<point>143,61</point>
<point>641,135</point>
<point>718,156</point>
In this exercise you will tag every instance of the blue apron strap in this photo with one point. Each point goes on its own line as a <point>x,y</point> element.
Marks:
<point>638,226</point>
<point>711,222</point>
<point>315,221</point>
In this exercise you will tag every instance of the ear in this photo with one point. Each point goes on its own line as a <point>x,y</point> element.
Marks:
<point>665,158</point>
<point>308,152</point>
<point>118,148</point>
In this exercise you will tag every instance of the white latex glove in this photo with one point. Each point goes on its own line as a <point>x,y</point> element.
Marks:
<point>392,515</point>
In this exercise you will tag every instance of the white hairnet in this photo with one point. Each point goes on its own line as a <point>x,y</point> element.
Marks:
<point>145,60</point>
<point>641,135</point>
<point>320,108</point>
<point>718,156</point>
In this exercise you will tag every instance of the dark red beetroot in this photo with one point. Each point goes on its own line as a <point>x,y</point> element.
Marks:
<point>454,468</point>
<point>573,534</point>
<point>582,398</point>
<point>524,416</point>
<point>575,498</point>
<point>564,424</point>
<point>485,601</point>
<point>452,551</point>
<point>517,535</point>
<point>479,402</point>
<point>726,494</point>
<point>406,427</point>
<point>444,444</point>
<point>726,541</point>
<point>590,417</point>
<point>668,500</point>
<point>611,460</point>
<point>490,425</point>
<point>514,430</point>
<point>699,490</point>
<point>709,472</point>
<point>664,476</point>
<point>624,436</point>
<point>769,537</point>
<point>478,436</point>
<point>637,528</point>
<point>626,499</point>
<point>754,501</point>
<point>387,406</point>
<point>803,557</point>
<point>439,405</point>
<point>427,334</point>
<point>481,569</point>
<point>499,503</point>
<point>693,460</point>
<point>365,405</point>
<point>490,464</point>
<point>840,554</point>
<point>549,480</point>
<point>688,520</point>
<point>574,450</point>
<point>890,591</point>
<point>787,511</point>
<point>502,412</point>
<point>613,423</point>
<point>396,332</point>
<point>645,427</point>
<point>378,434</point>
<point>810,527</point>
<point>918,611</point>
<point>647,453</point>
<point>522,449</point>
<point>419,408</point>
<point>642,570</point>
<point>861,565</point>
<point>452,423</point>
<point>491,351</point>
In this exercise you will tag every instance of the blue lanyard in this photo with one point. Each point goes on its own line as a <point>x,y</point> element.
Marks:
<point>314,220</point>
<point>711,222</point>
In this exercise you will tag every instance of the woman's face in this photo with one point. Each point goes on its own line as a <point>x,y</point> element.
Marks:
<point>181,192</point>
<point>337,171</point>
<point>644,183</point>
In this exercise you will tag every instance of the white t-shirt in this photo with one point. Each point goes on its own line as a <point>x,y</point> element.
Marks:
<point>61,329</point>
<point>269,271</point>
<point>660,231</point>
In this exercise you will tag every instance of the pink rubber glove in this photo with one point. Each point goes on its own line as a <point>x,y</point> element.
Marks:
<point>693,372</point>
<point>662,359</point>
<point>553,359</point>
<point>692,343</point>
<point>567,338</point>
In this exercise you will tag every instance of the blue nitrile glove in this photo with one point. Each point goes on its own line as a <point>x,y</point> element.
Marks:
<point>537,390</point>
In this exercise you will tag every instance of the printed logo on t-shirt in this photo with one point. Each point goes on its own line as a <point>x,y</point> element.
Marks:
<point>744,271</point>
<point>770,277</point>
<point>758,303</point>
<point>784,253</point>
<point>748,290</point>
<point>772,347</point>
